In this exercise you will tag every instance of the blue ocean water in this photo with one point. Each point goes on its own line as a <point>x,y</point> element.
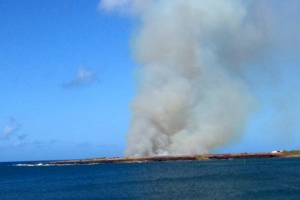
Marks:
<point>273,178</point>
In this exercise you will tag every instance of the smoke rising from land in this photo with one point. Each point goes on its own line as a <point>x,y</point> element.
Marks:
<point>192,96</point>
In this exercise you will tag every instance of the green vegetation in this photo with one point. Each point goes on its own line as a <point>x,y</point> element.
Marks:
<point>100,158</point>
<point>292,152</point>
<point>202,158</point>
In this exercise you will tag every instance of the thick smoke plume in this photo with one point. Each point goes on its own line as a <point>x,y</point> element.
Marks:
<point>191,96</point>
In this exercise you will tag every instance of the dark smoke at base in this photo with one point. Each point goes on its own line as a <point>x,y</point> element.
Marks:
<point>192,96</point>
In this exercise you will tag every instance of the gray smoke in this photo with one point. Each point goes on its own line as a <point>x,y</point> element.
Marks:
<point>192,53</point>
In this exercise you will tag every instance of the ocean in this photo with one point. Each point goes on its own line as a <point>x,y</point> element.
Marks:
<point>272,178</point>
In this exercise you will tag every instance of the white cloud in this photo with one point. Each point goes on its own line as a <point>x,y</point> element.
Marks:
<point>9,129</point>
<point>124,6</point>
<point>18,143</point>
<point>83,77</point>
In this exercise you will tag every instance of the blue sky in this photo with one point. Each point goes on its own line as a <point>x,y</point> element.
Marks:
<point>67,79</point>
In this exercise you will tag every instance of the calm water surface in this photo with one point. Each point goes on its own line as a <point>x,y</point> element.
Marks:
<point>274,178</point>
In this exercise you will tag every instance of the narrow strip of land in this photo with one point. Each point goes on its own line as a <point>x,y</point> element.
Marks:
<point>173,158</point>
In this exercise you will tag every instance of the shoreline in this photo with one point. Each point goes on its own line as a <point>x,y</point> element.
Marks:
<point>198,157</point>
